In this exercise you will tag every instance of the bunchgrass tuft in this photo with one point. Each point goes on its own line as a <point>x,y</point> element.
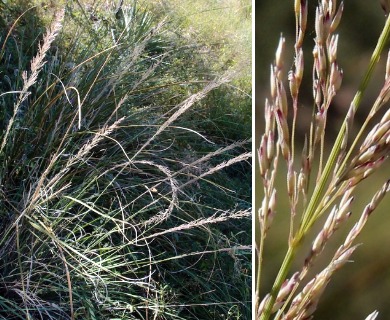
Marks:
<point>116,204</point>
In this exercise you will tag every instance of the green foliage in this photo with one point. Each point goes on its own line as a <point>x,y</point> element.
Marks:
<point>220,38</point>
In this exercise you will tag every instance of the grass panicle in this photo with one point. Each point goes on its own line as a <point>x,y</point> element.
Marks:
<point>321,184</point>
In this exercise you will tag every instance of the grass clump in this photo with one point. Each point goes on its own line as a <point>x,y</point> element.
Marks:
<point>114,204</point>
<point>320,185</point>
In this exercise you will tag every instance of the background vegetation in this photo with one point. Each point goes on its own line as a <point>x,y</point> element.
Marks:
<point>365,281</point>
<point>125,150</point>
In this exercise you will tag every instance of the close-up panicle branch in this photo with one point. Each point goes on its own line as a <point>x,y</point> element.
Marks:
<point>311,188</point>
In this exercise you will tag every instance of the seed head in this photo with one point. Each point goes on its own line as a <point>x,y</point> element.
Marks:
<point>291,181</point>
<point>297,6</point>
<point>303,16</point>
<point>342,257</point>
<point>372,316</point>
<point>320,125</point>
<point>273,83</point>
<point>336,77</point>
<point>279,53</point>
<point>263,303</point>
<point>333,48</point>
<point>299,65</point>
<point>385,4</point>
<point>293,82</point>
<point>337,17</point>
<point>281,98</point>
<point>287,287</point>
<point>321,62</point>
<point>263,160</point>
<point>270,146</point>
<point>319,26</point>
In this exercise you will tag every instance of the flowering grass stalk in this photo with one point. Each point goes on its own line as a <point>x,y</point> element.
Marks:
<point>337,175</point>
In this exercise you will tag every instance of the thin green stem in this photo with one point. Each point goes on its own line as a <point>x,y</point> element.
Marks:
<point>21,272</point>
<point>259,266</point>
<point>283,271</point>
<point>295,106</point>
<point>357,138</point>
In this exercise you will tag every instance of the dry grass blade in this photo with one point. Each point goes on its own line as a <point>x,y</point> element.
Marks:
<point>184,106</point>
